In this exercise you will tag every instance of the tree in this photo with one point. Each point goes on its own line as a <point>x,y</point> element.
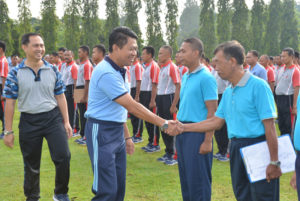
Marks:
<point>171,22</point>
<point>71,20</point>
<point>113,19</point>
<point>273,28</point>
<point>154,33</point>
<point>24,16</point>
<point>289,25</point>
<point>207,27</point>
<point>15,35</point>
<point>223,20</point>
<point>49,25</point>
<point>189,21</point>
<point>90,26</point>
<point>132,7</point>
<point>257,25</point>
<point>240,31</point>
<point>5,33</point>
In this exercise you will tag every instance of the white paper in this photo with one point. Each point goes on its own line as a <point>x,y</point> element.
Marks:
<point>257,157</point>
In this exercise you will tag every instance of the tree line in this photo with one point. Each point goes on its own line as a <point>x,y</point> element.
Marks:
<point>266,27</point>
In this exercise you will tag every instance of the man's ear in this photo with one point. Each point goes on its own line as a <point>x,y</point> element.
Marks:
<point>115,47</point>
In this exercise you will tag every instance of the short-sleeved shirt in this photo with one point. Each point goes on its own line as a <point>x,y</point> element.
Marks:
<point>182,70</point>
<point>106,85</point>
<point>245,106</point>
<point>69,73</point>
<point>84,72</point>
<point>168,77</point>
<point>297,128</point>
<point>136,72</point>
<point>288,80</point>
<point>61,64</point>
<point>150,76</point>
<point>222,84</point>
<point>259,71</point>
<point>197,87</point>
<point>35,92</point>
<point>3,68</point>
<point>270,74</point>
<point>278,73</point>
<point>10,66</point>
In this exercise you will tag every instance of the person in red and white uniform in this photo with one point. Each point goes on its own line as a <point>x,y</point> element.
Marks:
<point>136,71</point>
<point>83,80</point>
<point>3,74</point>
<point>182,69</point>
<point>69,73</point>
<point>167,98</point>
<point>264,61</point>
<point>55,59</point>
<point>98,54</point>
<point>148,96</point>
<point>61,52</point>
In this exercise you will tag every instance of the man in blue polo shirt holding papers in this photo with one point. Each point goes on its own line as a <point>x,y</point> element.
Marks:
<point>107,135</point>
<point>248,108</point>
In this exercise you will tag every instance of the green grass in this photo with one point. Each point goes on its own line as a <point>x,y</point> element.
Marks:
<point>147,180</point>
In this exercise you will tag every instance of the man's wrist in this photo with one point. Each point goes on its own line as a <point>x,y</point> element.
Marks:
<point>8,132</point>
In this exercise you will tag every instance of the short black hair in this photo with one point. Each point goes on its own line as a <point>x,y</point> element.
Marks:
<point>14,55</point>
<point>232,49</point>
<point>297,54</point>
<point>289,50</point>
<point>85,48</point>
<point>196,44</point>
<point>100,48</point>
<point>55,54</point>
<point>119,36</point>
<point>68,50</point>
<point>62,49</point>
<point>169,48</point>
<point>149,50</point>
<point>2,45</point>
<point>207,59</point>
<point>26,37</point>
<point>271,58</point>
<point>254,53</point>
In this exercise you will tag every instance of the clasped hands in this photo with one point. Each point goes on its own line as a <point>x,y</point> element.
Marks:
<point>174,128</point>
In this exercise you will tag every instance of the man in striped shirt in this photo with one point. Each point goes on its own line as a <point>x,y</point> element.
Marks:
<point>83,80</point>
<point>167,98</point>
<point>148,95</point>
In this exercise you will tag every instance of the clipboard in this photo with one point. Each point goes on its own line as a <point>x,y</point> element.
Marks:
<point>256,158</point>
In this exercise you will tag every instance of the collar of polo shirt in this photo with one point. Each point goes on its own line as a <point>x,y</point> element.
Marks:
<point>197,69</point>
<point>115,66</point>
<point>290,67</point>
<point>244,80</point>
<point>166,64</point>
<point>46,64</point>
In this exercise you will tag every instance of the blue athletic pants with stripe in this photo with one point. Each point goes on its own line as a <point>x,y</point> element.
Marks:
<point>194,168</point>
<point>107,151</point>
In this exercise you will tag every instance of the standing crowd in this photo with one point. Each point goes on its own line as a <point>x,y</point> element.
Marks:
<point>186,102</point>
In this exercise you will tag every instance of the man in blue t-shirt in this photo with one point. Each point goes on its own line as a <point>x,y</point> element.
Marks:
<point>198,101</point>
<point>107,135</point>
<point>248,108</point>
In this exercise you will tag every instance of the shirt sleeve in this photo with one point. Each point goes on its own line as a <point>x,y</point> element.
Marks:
<point>154,73</point>
<point>264,101</point>
<point>5,69</point>
<point>59,84</point>
<point>263,74</point>
<point>87,71</point>
<point>271,75</point>
<point>74,72</point>
<point>295,78</point>
<point>209,88</point>
<point>138,72</point>
<point>112,86</point>
<point>174,74</point>
<point>185,69</point>
<point>220,111</point>
<point>11,87</point>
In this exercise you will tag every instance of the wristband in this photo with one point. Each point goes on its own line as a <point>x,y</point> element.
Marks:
<point>127,138</point>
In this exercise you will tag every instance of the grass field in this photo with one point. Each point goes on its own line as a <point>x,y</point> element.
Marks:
<point>147,180</point>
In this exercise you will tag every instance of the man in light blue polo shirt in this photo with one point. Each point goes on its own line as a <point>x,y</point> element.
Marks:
<point>248,108</point>
<point>198,101</point>
<point>107,135</point>
<point>255,68</point>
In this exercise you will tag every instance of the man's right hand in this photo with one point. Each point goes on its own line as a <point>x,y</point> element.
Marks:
<point>9,140</point>
<point>273,172</point>
<point>152,104</point>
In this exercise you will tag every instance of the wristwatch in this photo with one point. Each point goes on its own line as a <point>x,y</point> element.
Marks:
<point>164,126</point>
<point>8,132</point>
<point>276,163</point>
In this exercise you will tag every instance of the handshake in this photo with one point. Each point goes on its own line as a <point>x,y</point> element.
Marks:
<point>174,128</point>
